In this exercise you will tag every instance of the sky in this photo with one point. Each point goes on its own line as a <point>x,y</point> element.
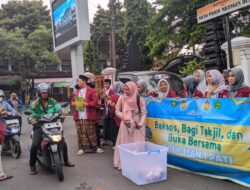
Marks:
<point>92,6</point>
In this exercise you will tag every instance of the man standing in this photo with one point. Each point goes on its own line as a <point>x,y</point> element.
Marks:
<point>107,93</point>
<point>86,102</point>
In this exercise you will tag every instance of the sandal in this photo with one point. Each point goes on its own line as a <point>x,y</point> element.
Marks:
<point>5,177</point>
<point>69,164</point>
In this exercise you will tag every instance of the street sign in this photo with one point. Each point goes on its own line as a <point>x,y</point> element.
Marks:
<point>219,8</point>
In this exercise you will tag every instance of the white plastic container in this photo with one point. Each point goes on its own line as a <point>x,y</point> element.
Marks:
<point>144,162</point>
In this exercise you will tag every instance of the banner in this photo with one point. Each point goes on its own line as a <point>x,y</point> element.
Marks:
<point>208,136</point>
<point>219,8</point>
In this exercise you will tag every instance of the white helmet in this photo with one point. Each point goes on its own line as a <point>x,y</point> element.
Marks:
<point>2,93</point>
<point>43,87</point>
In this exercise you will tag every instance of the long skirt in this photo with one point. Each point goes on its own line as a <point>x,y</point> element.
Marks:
<point>86,134</point>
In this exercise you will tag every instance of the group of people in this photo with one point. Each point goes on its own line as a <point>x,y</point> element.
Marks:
<point>122,108</point>
<point>211,84</point>
<point>7,107</point>
<point>124,113</point>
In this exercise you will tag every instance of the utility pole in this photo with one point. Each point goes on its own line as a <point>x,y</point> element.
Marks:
<point>229,43</point>
<point>112,24</point>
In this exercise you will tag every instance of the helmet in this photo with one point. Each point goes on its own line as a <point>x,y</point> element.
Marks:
<point>2,93</point>
<point>43,87</point>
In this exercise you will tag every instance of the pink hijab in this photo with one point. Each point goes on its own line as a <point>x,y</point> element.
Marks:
<point>130,101</point>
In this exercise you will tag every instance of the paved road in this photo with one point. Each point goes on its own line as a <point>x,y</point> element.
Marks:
<point>95,172</point>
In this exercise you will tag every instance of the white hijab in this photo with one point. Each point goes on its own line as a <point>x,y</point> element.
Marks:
<point>202,82</point>
<point>163,94</point>
<point>218,79</point>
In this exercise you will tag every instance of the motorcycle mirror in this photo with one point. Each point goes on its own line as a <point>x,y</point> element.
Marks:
<point>64,105</point>
<point>27,112</point>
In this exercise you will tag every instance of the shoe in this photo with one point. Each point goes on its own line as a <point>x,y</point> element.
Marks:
<point>33,170</point>
<point>103,142</point>
<point>69,164</point>
<point>99,151</point>
<point>110,143</point>
<point>5,177</point>
<point>118,168</point>
<point>80,152</point>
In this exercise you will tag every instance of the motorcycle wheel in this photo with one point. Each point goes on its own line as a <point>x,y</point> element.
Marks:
<point>58,167</point>
<point>15,148</point>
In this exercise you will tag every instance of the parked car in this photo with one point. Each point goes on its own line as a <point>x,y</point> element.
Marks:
<point>152,78</point>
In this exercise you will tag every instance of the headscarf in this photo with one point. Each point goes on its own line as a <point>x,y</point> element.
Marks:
<point>217,78</point>
<point>202,82</point>
<point>130,101</point>
<point>118,88</point>
<point>163,94</point>
<point>144,87</point>
<point>239,81</point>
<point>191,84</point>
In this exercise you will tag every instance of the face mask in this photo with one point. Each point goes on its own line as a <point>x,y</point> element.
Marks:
<point>1,99</point>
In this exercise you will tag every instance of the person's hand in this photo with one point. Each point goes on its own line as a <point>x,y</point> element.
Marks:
<point>1,109</point>
<point>4,113</point>
<point>103,96</point>
<point>33,121</point>
<point>138,126</point>
<point>126,121</point>
<point>212,89</point>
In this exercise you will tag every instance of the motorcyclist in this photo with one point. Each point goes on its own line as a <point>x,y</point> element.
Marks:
<point>43,105</point>
<point>5,108</point>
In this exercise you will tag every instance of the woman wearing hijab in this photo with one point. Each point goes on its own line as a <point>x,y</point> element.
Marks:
<point>133,115</point>
<point>112,101</point>
<point>165,89</point>
<point>215,82</point>
<point>143,89</point>
<point>236,88</point>
<point>190,88</point>
<point>200,76</point>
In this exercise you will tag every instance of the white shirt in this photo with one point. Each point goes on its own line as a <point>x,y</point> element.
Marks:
<point>82,114</point>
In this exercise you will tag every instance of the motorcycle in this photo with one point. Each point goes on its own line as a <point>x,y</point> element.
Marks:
<point>12,132</point>
<point>50,154</point>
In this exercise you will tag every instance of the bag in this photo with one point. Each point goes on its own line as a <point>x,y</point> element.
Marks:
<point>2,131</point>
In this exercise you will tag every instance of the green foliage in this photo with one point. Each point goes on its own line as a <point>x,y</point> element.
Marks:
<point>173,26</point>
<point>191,67</point>
<point>26,35</point>
<point>90,58</point>
<point>25,14</point>
<point>13,81</point>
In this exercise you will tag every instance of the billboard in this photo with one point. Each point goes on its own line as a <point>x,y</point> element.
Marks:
<point>70,22</point>
<point>219,8</point>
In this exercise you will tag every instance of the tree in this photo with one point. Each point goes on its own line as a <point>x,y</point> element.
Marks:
<point>138,14</point>
<point>91,58</point>
<point>37,53</point>
<point>173,26</point>
<point>100,31</point>
<point>25,14</point>
<point>27,36</point>
<point>191,67</point>
<point>13,46</point>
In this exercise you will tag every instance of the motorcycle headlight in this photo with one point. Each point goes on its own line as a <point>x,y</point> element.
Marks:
<point>56,138</point>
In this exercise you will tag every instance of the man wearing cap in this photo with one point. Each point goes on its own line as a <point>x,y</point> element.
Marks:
<point>107,93</point>
<point>86,102</point>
